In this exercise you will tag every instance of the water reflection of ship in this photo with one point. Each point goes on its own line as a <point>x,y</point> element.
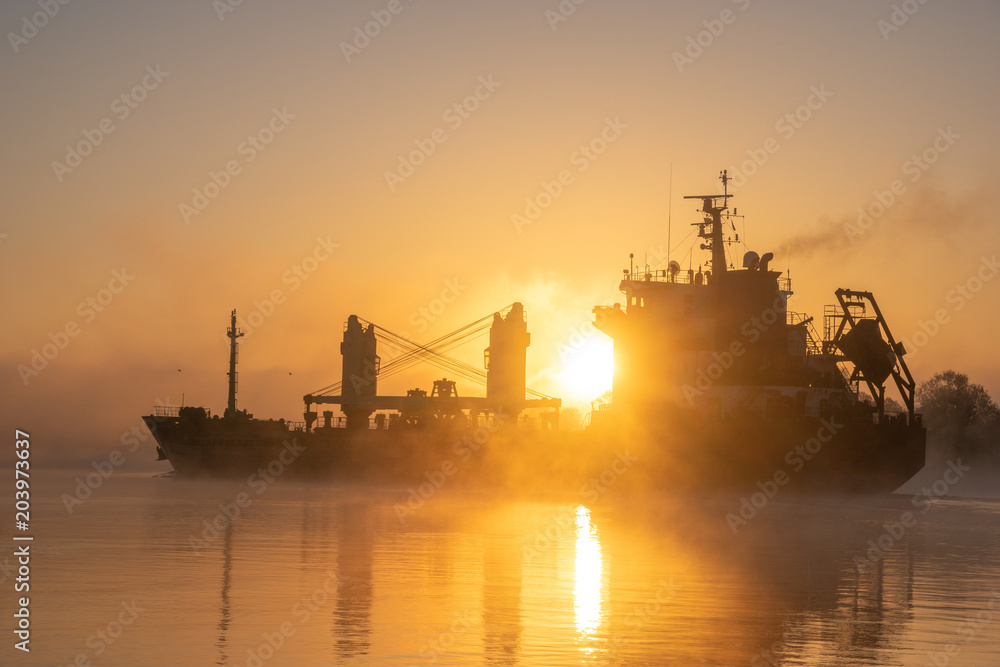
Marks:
<point>355,550</point>
<point>351,627</point>
<point>502,581</point>
<point>809,602</point>
<point>224,613</point>
<point>876,610</point>
<point>790,579</point>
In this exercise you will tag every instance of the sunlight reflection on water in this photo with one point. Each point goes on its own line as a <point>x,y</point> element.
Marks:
<point>587,591</point>
<point>474,580</point>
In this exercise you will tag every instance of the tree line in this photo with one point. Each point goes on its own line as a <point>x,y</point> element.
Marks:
<point>960,415</point>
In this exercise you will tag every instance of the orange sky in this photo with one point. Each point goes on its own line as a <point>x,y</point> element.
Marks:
<point>833,104</point>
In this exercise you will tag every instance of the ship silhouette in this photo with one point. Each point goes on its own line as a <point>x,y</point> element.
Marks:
<point>716,385</point>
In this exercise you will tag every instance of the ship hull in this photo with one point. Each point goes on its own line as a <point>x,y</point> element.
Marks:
<point>803,454</point>
<point>216,448</point>
<point>740,456</point>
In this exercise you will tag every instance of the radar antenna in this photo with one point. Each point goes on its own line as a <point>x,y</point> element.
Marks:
<point>711,228</point>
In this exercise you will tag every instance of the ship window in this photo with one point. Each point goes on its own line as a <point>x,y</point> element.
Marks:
<point>634,300</point>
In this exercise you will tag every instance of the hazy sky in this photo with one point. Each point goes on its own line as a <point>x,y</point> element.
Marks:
<point>121,120</point>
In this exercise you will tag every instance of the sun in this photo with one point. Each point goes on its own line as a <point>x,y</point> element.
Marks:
<point>586,370</point>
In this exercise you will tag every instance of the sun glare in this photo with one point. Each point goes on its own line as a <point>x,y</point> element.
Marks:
<point>589,570</point>
<point>586,371</point>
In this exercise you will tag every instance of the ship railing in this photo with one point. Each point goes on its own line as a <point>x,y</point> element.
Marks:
<point>661,276</point>
<point>174,411</point>
<point>689,277</point>
<point>833,315</point>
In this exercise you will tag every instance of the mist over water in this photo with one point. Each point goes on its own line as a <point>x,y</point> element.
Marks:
<point>163,571</point>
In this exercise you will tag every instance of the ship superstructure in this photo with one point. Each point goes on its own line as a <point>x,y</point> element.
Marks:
<point>721,346</point>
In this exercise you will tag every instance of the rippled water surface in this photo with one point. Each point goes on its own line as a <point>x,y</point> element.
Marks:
<point>314,575</point>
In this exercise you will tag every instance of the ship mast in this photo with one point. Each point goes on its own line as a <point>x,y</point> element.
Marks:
<point>713,208</point>
<point>233,334</point>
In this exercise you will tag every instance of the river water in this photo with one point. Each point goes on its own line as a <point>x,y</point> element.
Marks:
<point>305,574</point>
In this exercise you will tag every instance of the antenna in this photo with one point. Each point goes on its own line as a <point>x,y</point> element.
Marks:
<point>234,334</point>
<point>670,201</point>
<point>713,207</point>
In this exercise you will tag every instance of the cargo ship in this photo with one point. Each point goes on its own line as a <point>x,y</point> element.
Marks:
<point>717,385</point>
